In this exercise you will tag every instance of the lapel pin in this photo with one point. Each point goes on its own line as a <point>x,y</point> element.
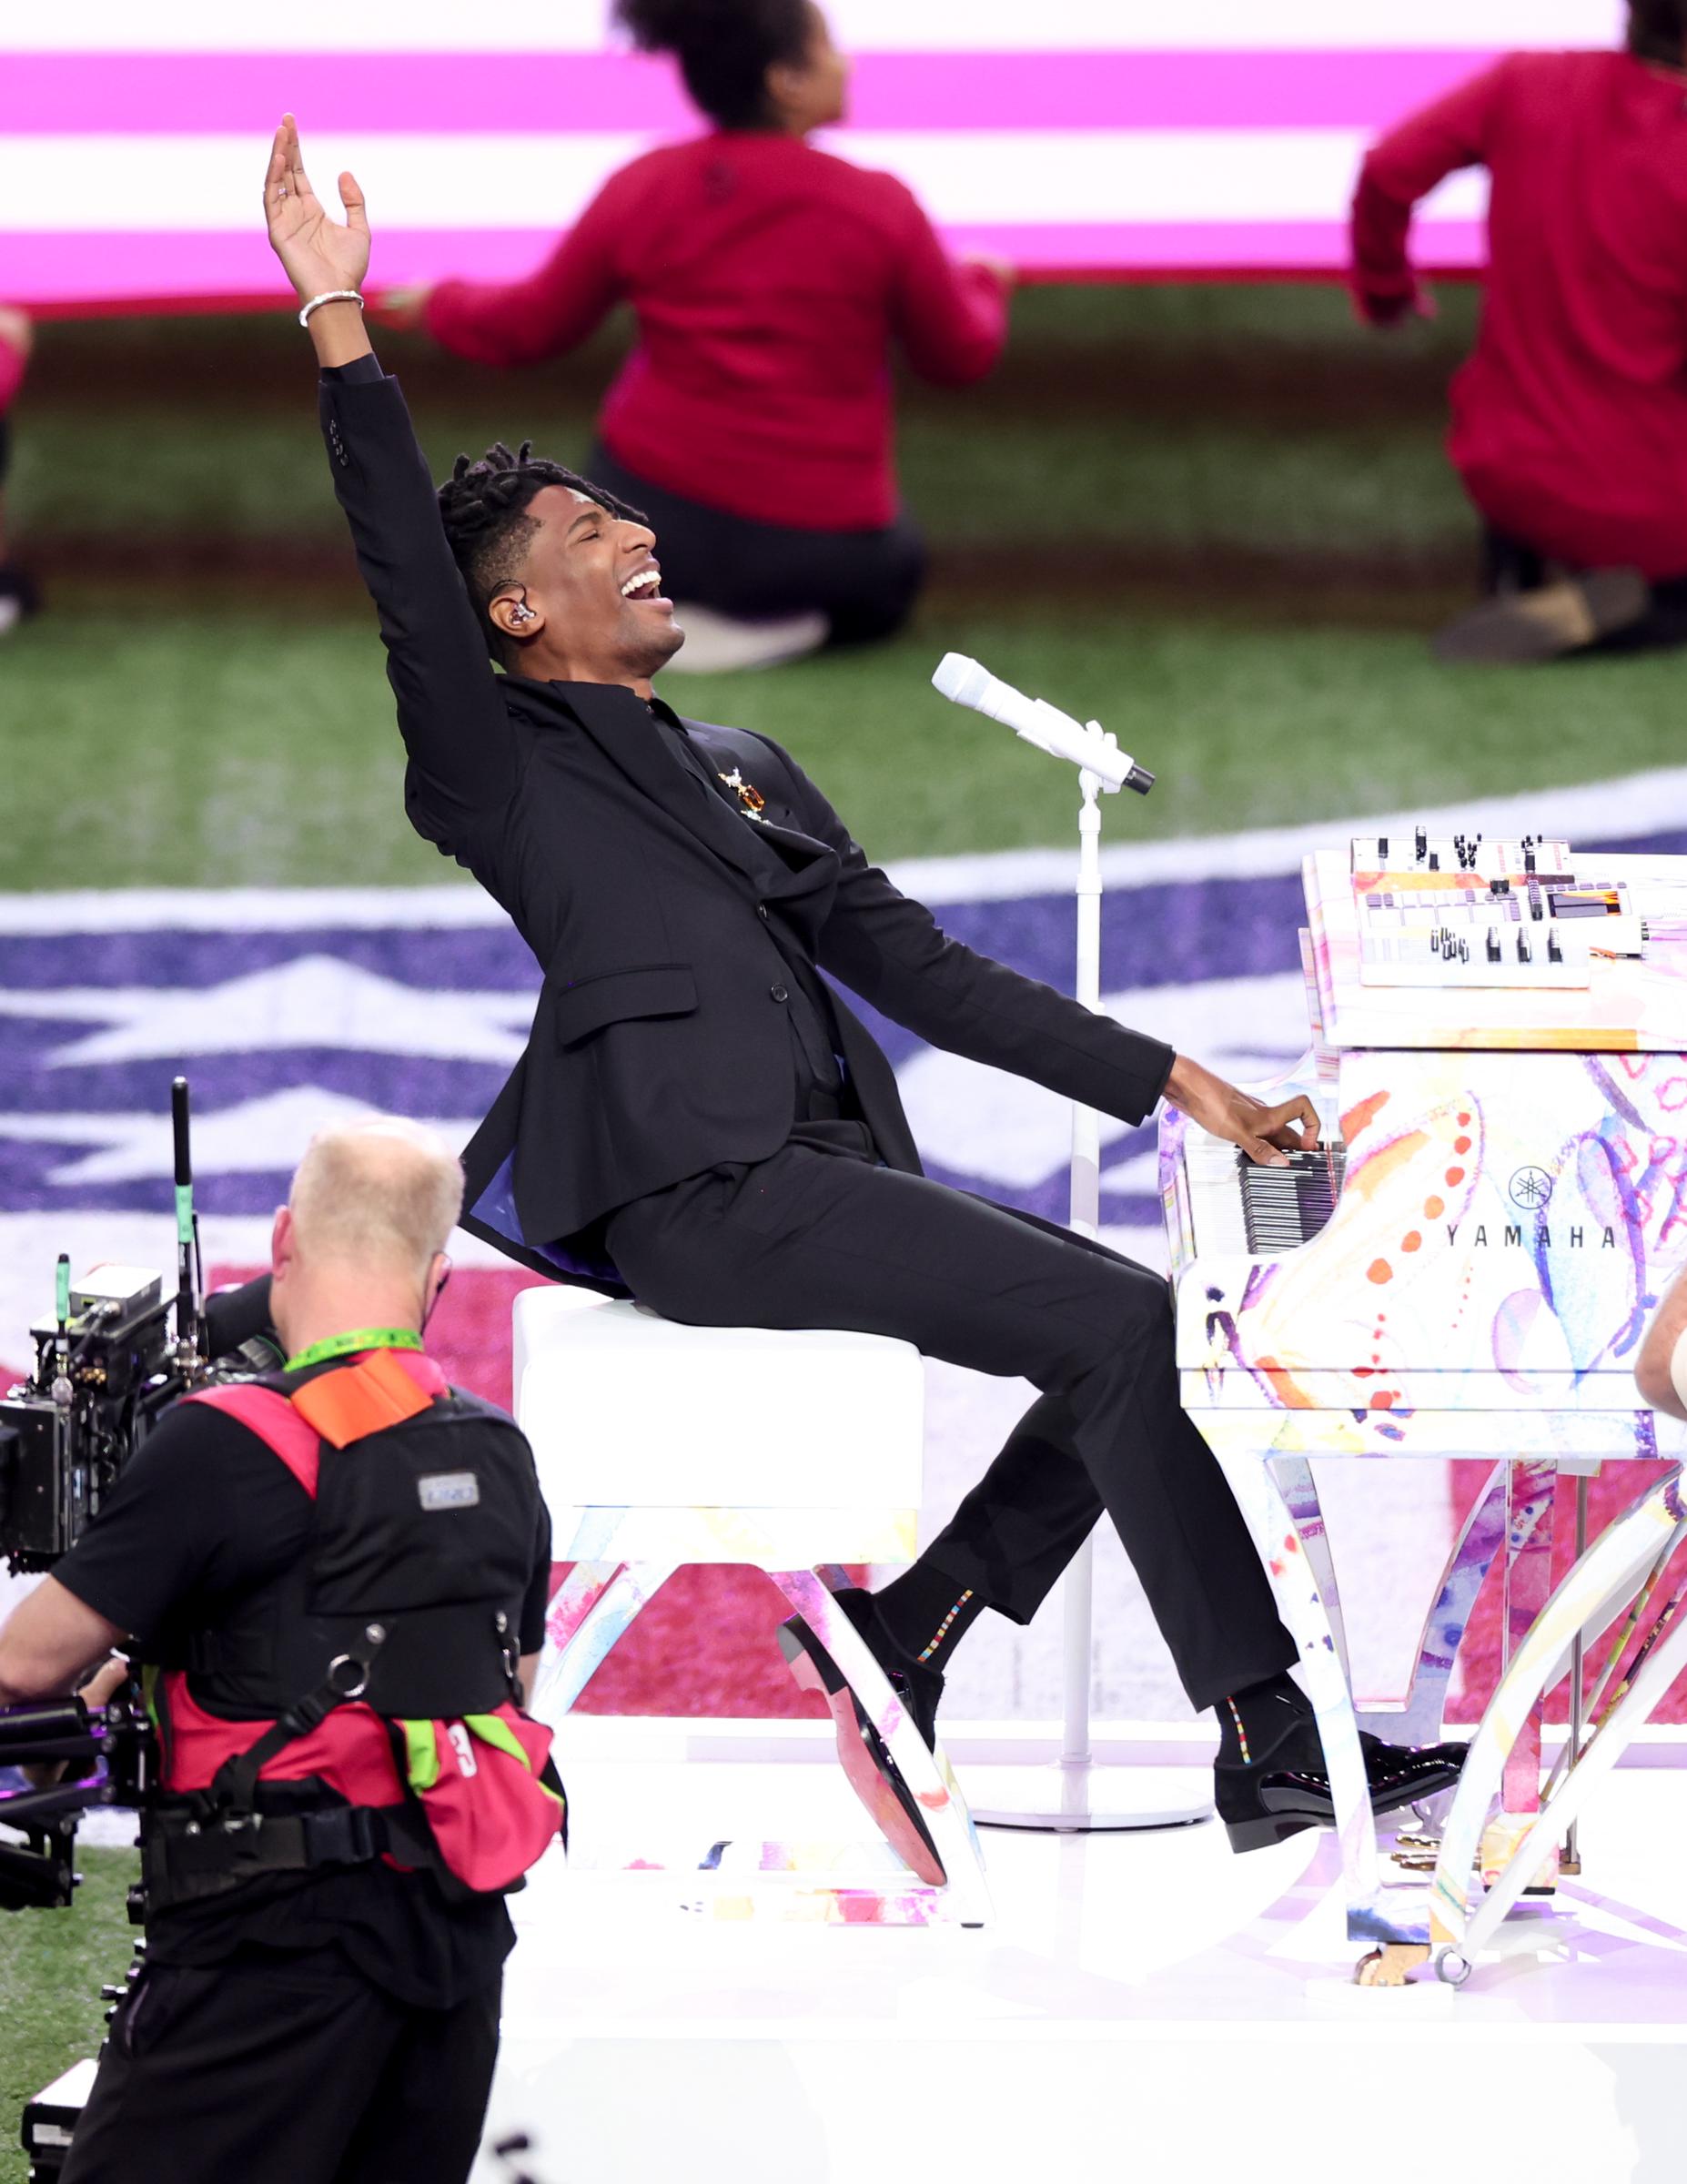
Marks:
<point>751,801</point>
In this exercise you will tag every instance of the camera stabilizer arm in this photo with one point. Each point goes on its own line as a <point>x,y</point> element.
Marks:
<point>116,1749</point>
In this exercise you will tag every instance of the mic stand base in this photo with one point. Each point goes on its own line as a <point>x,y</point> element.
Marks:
<point>1075,1784</point>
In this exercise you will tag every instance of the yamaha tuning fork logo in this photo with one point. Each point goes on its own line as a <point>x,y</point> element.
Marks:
<point>1529,1188</point>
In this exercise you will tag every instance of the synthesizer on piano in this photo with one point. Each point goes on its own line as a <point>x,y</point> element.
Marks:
<point>1469,912</point>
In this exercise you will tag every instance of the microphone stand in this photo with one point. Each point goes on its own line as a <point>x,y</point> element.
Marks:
<point>1078,1769</point>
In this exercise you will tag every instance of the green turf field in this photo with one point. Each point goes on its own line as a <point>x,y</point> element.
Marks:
<point>53,1965</point>
<point>1218,518</point>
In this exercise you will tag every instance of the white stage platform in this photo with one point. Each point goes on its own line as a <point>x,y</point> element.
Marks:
<point>1145,2003</point>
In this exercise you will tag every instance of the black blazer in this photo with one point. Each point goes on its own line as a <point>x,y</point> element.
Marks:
<point>659,1044</point>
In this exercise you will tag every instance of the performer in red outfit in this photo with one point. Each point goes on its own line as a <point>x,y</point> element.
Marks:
<point>1570,421</point>
<point>752,422</point>
<point>17,594</point>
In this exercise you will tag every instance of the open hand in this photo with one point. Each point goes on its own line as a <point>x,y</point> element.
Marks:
<point>319,253</point>
<point>1267,1134</point>
<point>106,1681</point>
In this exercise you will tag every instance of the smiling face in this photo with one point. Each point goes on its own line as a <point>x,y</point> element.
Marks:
<point>588,606</point>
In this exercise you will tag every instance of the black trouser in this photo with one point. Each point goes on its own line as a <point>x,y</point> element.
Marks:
<point>864,581</point>
<point>1508,565</point>
<point>13,584</point>
<point>810,1239</point>
<point>275,2069</point>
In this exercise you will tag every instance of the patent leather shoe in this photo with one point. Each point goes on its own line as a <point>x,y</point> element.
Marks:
<point>1279,1793</point>
<point>874,1775</point>
<point>916,1683</point>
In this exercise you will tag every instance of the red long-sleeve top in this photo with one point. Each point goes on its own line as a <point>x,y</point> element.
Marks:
<point>12,366</point>
<point>769,280</point>
<point>1570,420</point>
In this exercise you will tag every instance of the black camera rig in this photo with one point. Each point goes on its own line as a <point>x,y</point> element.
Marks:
<point>108,1364</point>
<point>111,1750</point>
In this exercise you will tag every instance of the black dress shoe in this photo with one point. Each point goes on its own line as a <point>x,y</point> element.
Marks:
<point>874,1775</point>
<point>1278,1794</point>
<point>916,1683</point>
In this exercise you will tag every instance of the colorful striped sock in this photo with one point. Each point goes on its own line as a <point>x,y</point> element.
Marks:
<point>928,1613</point>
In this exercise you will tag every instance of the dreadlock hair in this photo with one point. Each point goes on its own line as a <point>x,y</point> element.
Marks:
<point>483,506</point>
<point>724,47</point>
<point>1658,30</point>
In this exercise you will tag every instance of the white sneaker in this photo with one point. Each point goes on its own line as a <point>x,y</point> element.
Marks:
<point>716,643</point>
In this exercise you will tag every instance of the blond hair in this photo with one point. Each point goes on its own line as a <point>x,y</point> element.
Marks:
<point>380,1193</point>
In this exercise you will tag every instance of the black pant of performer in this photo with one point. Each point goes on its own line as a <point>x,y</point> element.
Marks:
<point>278,2068</point>
<point>815,1239</point>
<point>864,581</point>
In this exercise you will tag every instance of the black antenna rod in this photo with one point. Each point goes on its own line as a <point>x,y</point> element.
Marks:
<point>187,1298</point>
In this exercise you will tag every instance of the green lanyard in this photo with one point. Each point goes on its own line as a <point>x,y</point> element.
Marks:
<point>360,1338</point>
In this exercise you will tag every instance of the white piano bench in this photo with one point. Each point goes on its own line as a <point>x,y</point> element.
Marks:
<point>794,1453</point>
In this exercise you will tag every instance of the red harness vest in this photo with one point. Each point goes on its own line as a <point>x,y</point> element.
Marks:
<point>380,1664</point>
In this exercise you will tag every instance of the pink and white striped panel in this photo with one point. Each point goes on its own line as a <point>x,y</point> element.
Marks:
<point>1095,138</point>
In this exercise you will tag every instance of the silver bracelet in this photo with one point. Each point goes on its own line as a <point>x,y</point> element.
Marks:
<point>329,296</point>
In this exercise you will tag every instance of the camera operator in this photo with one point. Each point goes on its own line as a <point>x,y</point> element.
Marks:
<point>329,1574</point>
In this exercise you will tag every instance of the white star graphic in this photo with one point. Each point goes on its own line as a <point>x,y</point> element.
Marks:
<point>316,1001</point>
<point>259,1137</point>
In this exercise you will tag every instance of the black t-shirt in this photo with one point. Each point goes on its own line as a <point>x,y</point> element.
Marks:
<point>204,1513</point>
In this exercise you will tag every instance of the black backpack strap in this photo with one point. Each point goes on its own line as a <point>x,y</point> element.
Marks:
<point>232,1793</point>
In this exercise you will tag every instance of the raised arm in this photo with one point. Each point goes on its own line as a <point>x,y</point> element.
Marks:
<point>1404,166</point>
<point>950,315</point>
<point>525,321</point>
<point>891,951</point>
<point>321,256</point>
<point>450,713</point>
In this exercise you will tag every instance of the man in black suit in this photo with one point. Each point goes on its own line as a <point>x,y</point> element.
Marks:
<point>700,1119</point>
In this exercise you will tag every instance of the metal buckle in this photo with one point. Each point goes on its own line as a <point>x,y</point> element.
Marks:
<point>348,1690</point>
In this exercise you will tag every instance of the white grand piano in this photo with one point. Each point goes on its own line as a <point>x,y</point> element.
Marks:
<point>1499,1049</point>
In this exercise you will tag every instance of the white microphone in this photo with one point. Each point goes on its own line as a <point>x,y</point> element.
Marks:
<point>966,684</point>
